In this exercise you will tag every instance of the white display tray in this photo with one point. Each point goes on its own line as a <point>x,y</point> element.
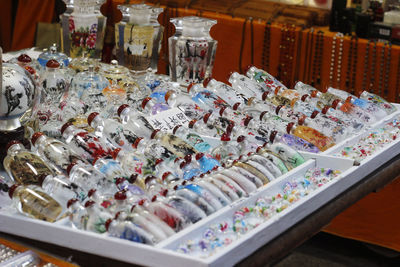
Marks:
<point>163,254</point>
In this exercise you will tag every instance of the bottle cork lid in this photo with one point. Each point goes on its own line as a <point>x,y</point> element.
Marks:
<point>30,70</point>
<point>71,202</point>
<point>262,115</point>
<point>35,137</point>
<point>182,164</point>
<point>206,117</point>
<point>265,95</point>
<point>119,180</point>
<point>188,158</point>
<point>136,143</point>
<point>158,161</point>
<point>65,126</point>
<point>302,120</point>
<point>121,108</point>
<point>12,189</point>
<point>91,117</point>
<point>240,138</point>
<point>120,195</point>
<point>11,143</point>
<point>149,179</point>
<point>41,179</point>
<point>52,63</point>
<point>154,133</point>
<point>132,179</point>
<point>349,98</point>
<point>24,58</point>
<point>154,198</point>
<point>168,95</point>
<point>293,102</point>
<point>165,175</point>
<point>272,136</point>
<point>190,87</point>
<point>199,155</point>
<point>304,97</point>
<point>89,203</point>
<point>192,123</point>
<point>142,201</point>
<point>248,67</point>
<point>236,106</point>
<point>96,159</point>
<point>70,166</point>
<point>221,111</point>
<point>314,93</point>
<point>230,127</point>
<point>145,101</point>
<point>247,120</point>
<point>325,109</point>
<point>176,128</point>
<point>91,192</point>
<point>335,103</point>
<point>278,108</point>
<point>225,137</point>
<point>206,81</point>
<point>164,192</point>
<point>107,224</point>
<point>314,114</point>
<point>115,152</point>
<point>289,127</point>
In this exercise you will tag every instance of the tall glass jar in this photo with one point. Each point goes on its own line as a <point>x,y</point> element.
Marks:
<point>194,51</point>
<point>83,28</point>
<point>138,38</point>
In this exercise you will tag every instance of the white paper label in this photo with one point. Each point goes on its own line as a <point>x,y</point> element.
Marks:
<point>168,119</point>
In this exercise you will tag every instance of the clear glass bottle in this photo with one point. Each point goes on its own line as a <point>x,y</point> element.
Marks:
<point>23,166</point>
<point>354,111</point>
<point>184,102</point>
<point>115,94</point>
<point>206,99</point>
<point>114,131</point>
<point>83,29</point>
<point>30,200</point>
<point>77,214</point>
<point>154,150</point>
<point>52,53</point>
<point>85,80</point>
<point>381,102</point>
<point>194,50</point>
<point>135,121</point>
<point>139,37</point>
<point>175,144</point>
<point>62,189</point>
<point>246,86</point>
<point>97,218</point>
<point>177,22</point>
<point>109,167</point>
<point>265,79</point>
<point>53,82</point>
<point>55,151</point>
<point>133,162</point>
<point>311,135</point>
<point>85,144</point>
<point>192,138</point>
<point>292,141</point>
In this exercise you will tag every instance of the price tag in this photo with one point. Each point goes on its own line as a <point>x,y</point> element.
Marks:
<point>168,119</point>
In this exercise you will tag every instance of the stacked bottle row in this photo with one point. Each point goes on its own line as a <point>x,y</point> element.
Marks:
<point>104,160</point>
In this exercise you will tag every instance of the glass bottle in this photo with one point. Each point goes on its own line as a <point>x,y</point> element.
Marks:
<point>52,53</point>
<point>226,151</point>
<point>265,79</point>
<point>135,121</point>
<point>139,37</point>
<point>114,131</point>
<point>85,80</point>
<point>23,166</point>
<point>304,89</point>
<point>124,185</point>
<point>30,200</point>
<point>274,158</point>
<point>77,214</point>
<point>246,86</point>
<point>206,99</point>
<point>292,141</point>
<point>177,22</point>
<point>354,111</point>
<point>97,218</point>
<point>286,153</point>
<point>352,122</point>
<point>184,102</point>
<point>381,102</point>
<point>115,94</point>
<point>192,138</point>
<point>53,82</point>
<point>311,135</point>
<point>276,100</point>
<point>61,189</point>
<point>87,177</point>
<point>369,107</point>
<point>195,51</point>
<point>83,29</point>
<point>235,99</point>
<point>175,144</point>
<point>109,167</point>
<point>154,150</point>
<point>55,151</point>
<point>87,145</point>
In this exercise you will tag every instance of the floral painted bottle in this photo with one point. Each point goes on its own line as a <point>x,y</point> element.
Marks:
<point>61,189</point>
<point>55,151</point>
<point>381,102</point>
<point>133,162</point>
<point>83,29</point>
<point>23,166</point>
<point>354,111</point>
<point>87,145</point>
<point>30,200</point>
<point>206,99</point>
<point>77,213</point>
<point>97,218</point>
<point>194,50</point>
<point>114,131</point>
<point>265,79</point>
<point>369,107</point>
